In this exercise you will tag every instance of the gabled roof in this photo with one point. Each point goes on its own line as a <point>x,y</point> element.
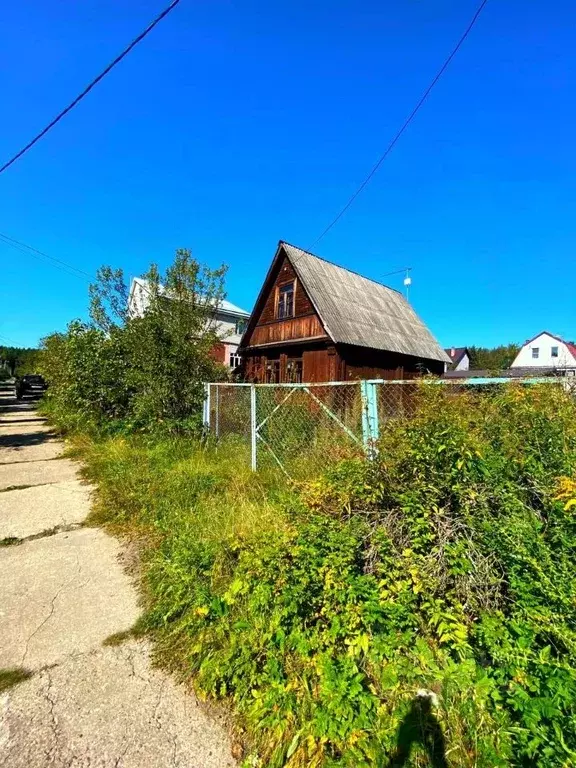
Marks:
<point>356,310</point>
<point>571,346</point>
<point>459,353</point>
<point>224,306</point>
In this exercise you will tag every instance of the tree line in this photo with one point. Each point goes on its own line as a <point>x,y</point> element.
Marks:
<point>17,361</point>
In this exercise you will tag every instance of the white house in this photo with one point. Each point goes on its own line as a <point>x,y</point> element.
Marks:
<point>231,321</point>
<point>546,351</point>
<point>460,358</point>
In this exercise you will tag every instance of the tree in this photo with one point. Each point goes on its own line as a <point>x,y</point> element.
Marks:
<point>19,360</point>
<point>146,371</point>
<point>495,359</point>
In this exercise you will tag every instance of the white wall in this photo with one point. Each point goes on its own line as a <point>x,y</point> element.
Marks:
<point>464,364</point>
<point>225,325</point>
<point>544,343</point>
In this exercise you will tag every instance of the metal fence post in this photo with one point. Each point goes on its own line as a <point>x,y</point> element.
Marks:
<point>253,446</point>
<point>370,426</point>
<point>217,413</point>
<point>206,418</point>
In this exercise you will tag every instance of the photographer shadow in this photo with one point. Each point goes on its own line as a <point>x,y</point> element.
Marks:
<point>420,726</point>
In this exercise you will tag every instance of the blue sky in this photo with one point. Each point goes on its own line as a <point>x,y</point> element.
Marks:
<point>235,125</point>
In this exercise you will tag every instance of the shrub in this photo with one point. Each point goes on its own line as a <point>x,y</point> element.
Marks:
<point>447,566</point>
<point>138,373</point>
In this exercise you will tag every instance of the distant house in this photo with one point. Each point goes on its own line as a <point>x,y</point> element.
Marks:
<point>546,351</point>
<point>231,321</point>
<point>542,356</point>
<point>315,321</point>
<point>459,359</point>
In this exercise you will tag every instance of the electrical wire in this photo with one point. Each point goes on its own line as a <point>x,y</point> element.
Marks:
<point>396,271</point>
<point>406,123</point>
<point>91,85</point>
<point>28,250</point>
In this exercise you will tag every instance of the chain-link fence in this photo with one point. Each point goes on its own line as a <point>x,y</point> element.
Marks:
<point>303,428</point>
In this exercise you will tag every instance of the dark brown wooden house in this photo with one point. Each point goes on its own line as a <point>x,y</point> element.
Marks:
<point>315,321</point>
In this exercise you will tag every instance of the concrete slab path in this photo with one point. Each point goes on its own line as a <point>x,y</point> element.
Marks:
<point>63,591</point>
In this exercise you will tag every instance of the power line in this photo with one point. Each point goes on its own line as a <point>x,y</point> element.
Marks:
<point>28,250</point>
<point>397,271</point>
<point>91,85</point>
<point>406,123</point>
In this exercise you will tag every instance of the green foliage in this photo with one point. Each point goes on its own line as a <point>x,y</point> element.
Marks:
<point>138,372</point>
<point>12,676</point>
<point>493,359</point>
<point>447,565</point>
<point>17,361</point>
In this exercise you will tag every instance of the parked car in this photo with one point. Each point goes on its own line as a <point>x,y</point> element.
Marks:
<point>32,384</point>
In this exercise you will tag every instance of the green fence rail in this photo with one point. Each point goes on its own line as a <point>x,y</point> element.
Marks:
<point>301,428</point>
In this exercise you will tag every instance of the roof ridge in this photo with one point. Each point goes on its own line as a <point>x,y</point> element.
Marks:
<point>346,269</point>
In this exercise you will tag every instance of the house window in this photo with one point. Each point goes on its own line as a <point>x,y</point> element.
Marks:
<point>554,351</point>
<point>294,371</point>
<point>240,326</point>
<point>535,353</point>
<point>235,361</point>
<point>285,306</point>
<point>272,371</point>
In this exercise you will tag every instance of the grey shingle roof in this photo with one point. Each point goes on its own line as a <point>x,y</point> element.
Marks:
<point>359,311</point>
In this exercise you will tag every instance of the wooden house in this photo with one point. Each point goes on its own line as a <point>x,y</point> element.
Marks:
<point>315,321</point>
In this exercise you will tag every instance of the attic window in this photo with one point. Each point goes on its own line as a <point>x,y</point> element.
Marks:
<point>285,306</point>
<point>554,351</point>
<point>535,353</point>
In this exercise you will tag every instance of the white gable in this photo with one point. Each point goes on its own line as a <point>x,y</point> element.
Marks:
<point>230,319</point>
<point>547,351</point>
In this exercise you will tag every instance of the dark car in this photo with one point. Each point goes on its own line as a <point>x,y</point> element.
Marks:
<point>32,384</point>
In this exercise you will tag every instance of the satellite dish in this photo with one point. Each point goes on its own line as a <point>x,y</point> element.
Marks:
<point>407,281</point>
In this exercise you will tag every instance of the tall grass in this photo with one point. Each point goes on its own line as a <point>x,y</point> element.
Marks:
<point>166,485</point>
<point>447,564</point>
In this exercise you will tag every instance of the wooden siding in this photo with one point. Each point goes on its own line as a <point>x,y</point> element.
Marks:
<point>320,362</point>
<point>365,363</point>
<point>302,305</point>
<point>307,327</point>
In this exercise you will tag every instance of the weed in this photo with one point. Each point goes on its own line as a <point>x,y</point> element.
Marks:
<point>448,566</point>
<point>11,677</point>
<point>136,631</point>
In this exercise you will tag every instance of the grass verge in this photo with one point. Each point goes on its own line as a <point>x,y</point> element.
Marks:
<point>416,611</point>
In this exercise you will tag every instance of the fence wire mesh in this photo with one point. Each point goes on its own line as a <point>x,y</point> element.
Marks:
<point>303,428</point>
<point>229,410</point>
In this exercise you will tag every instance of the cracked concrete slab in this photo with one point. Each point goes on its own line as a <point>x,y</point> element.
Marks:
<point>109,708</point>
<point>28,473</point>
<point>16,428</point>
<point>61,595</point>
<point>43,448</point>
<point>29,511</point>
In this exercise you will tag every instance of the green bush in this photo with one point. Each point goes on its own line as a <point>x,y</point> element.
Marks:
<point>448,565</point>
<point>123,372</point>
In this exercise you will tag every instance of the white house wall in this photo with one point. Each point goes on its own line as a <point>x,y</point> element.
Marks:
<point>464,364</point>
<point>544,343</point>
<point>226,324</point>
